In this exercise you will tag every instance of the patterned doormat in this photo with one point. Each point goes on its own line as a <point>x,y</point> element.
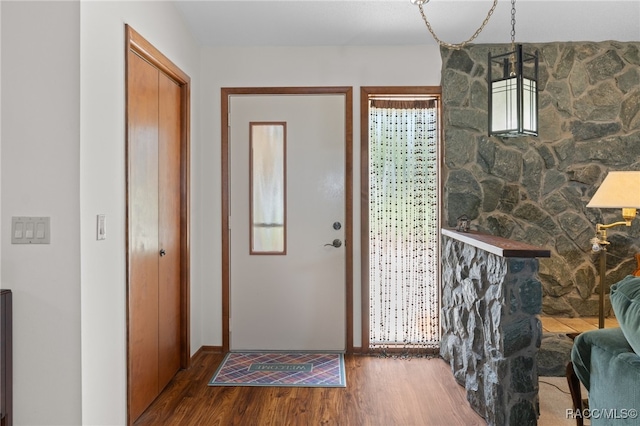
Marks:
<point>281,369</point>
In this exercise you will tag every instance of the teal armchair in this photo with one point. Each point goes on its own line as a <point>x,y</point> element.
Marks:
<point>607,361</point>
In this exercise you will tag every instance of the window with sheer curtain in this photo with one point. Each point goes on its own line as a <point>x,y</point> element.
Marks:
<point>403,224</point>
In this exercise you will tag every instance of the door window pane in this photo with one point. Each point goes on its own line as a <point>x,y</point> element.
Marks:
<point>268,188</point>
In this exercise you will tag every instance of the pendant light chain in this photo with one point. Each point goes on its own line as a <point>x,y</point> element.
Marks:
<point>513,24</point>
<point>512,71</point>
<point>458,46</point>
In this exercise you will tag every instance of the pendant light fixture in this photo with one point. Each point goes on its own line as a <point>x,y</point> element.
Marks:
<point>513,90</point>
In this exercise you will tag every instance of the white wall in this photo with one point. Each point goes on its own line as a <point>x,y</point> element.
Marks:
<point>102,189</point>
<point>40,177</point>
<point>292,66</point>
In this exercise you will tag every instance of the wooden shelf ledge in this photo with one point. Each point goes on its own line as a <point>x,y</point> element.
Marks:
<point>497,245</point>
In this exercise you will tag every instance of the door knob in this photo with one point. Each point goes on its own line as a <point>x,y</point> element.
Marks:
<point>162,252</point>
<point>335,243</point>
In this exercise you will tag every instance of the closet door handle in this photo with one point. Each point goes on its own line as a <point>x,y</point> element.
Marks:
<point>162,252</point>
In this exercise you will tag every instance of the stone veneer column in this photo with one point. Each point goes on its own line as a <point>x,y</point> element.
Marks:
<point>491,332</point>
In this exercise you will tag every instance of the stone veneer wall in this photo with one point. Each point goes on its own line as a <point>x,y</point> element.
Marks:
<point>491,332</point>
<point>535,189</point>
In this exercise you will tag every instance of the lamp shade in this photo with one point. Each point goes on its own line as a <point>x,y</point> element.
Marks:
<point>618,190</point>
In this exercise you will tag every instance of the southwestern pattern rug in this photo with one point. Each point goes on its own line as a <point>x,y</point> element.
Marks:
<point>281,369</point>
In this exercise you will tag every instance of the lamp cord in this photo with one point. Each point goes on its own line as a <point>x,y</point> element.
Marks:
<point>458,46</point>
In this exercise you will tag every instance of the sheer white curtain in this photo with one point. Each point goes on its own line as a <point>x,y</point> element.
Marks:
<point>403,224</point>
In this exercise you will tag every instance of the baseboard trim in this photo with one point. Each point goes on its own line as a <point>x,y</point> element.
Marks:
<point>212,349</point>
<point>218,350</point>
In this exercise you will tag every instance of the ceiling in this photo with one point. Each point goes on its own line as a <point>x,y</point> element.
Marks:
<point>398,22</point>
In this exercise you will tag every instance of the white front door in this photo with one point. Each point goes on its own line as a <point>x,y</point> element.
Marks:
<point>294,301</point>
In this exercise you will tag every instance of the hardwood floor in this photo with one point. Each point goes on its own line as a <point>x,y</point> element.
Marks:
<point>380,391</point>
<point>574,325</point>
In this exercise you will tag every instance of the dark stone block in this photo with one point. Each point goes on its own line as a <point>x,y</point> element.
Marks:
<point>466,118</point>
<point>455,89</point>
<point>460,60</point>
<point>531,296</point>
<point>532,173</point>
<point>583,131</point>
<point>508,164</point>
<point>555,203</point>
<point>500,225</point>
<point>462,181</point>
<point>462,204</point>
<point>615,274</point>
<point>560,96</point>
<point>556,276</point>
<point>547,156</point>
<point>574,224</point>
<point>522,377</point>
<point>554,355</point>
<point>629,80</point>
<point>571,254</point>
<point>566,63</point>
<point>586,281</point>
<point>599,104</point>
<point>549,54</point>
<point>632,54</point>
<point>514,303</point>
<point>532,213</point>
<point>518,335</point>
<point>536,237</point>
<point>631,145</point>
<point>486,154</point>
<point>564,149</point>
<point>573,196</point>
<point>523,413</point>
<point>611,151</point>
<point>588,307</point>
<point>557,306</point>
<point>509,198</point>
<point>630,110</point>
<point>604,66</point>
<point>458,149</point>
<point>588,175</point>
<point>479,95</point>
<point>553,180</point>
<point>491,190</point>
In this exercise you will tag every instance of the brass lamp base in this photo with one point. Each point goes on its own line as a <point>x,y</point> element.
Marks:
<point>600,241</point>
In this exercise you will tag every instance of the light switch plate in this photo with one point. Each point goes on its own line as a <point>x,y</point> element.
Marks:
<point>101,228</point>
<point>30,230</point>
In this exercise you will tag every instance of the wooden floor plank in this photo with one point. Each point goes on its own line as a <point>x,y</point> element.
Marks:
<point>555,325</point>
<point>574,325</point>
<point>608,322</point>
<point>579,324</point>
<point>380,391</point>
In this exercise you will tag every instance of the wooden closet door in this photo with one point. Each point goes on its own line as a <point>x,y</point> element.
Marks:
<point>143,233</point>
<point>157,222</point>
<point>169,230</point>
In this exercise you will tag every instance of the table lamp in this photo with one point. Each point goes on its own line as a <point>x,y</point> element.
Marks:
<point>619,190</point>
